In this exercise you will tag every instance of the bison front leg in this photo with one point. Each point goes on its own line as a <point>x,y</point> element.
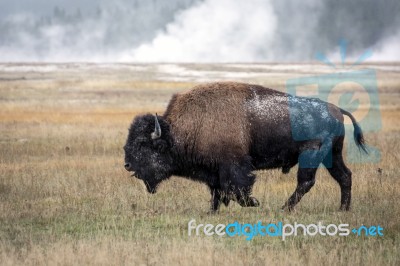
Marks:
<point>244,199</point>
<point>237,181</point>
<point>218,196</point>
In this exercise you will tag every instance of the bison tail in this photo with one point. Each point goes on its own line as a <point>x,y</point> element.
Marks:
<point>358,134</point>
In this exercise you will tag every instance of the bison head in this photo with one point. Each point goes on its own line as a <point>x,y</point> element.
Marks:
<point>148,150</point>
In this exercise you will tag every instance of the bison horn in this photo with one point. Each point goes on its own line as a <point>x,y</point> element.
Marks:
<point>157,129</point>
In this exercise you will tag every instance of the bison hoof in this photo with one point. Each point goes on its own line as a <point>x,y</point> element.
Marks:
<point>288,208</point>
<point>344,208</point>
<point>212,212</point>
<point>250,202</point>
<point>254,202</point>
<point>226,201</point>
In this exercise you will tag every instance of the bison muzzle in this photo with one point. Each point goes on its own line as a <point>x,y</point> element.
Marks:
<point>219,133</point>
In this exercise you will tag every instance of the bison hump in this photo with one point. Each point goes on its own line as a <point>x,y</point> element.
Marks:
<point>210,121</point>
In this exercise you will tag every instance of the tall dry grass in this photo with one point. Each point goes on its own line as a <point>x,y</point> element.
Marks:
<point>66,199</point>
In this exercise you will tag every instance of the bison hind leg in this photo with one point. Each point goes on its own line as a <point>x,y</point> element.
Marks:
<point>339,171</point>
<point>290,163</point>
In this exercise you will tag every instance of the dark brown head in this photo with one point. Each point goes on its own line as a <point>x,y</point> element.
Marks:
<point>148,150</point>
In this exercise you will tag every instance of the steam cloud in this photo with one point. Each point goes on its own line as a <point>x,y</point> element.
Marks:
<point>198,31</point>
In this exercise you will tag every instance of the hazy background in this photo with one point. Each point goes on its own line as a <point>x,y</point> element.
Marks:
<point>196,30</point>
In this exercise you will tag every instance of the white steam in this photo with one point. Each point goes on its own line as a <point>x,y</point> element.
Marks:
<point>214,30</point>
<point>388,49</point>
<point>198,30</point>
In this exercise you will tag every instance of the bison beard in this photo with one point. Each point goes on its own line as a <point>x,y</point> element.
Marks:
<point>218,133</point>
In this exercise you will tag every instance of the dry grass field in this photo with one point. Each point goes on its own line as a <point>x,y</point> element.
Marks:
<point>65,197</point>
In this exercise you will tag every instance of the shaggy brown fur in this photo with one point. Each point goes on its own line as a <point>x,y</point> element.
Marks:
<point>214,112</point>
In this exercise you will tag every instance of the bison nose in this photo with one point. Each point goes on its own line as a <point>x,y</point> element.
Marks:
<point>127,166</point>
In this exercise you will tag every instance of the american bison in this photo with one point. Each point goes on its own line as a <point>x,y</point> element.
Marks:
<point>218,133</point>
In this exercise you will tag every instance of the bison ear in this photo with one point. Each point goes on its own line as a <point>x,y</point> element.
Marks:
<point>157,129</point>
